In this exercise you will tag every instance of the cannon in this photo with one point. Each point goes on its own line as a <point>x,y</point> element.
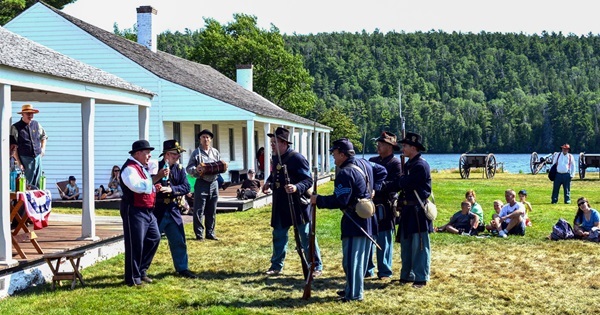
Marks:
<point>587,160</point>
<point>469,160</point>
<point>537,164</point>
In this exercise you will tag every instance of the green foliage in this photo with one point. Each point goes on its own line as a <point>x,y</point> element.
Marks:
<point>486,92</point>
<point>279,75</point>
<point>11,8</point>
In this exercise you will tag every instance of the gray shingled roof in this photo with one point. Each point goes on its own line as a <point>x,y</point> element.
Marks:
<point>193,75</point>
<point>22,53</point>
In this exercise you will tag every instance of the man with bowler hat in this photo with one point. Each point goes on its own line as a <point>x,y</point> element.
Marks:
<point>167,212</point>
<point>206,189</point>
<point>281,218</point>
<point>386,145</point>
<point>31,139</point>
<point>414,227</point>
<point>140,228</point>
<point>565,171</point>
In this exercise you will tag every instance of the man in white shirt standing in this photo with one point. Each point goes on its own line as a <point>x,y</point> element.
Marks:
<point>565,171</point>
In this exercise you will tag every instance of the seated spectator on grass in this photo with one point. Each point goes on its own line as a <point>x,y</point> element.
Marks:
<point>510,220</point>
<point>491,227</point>
<point>250,187</point>
<point>526,204</point>
<point>463,221</point>
<point>476,208</point>
<point>71,190</point>
<point>586,219</point>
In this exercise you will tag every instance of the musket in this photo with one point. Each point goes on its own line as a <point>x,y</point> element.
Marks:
<point>402,125</point>
<point>299,249</point>
<point>312,248</point>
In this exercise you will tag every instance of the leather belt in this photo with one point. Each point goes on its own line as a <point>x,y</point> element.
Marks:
<point>408,203</point>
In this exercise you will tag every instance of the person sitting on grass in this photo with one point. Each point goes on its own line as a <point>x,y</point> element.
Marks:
<point>71,190</point>
<point>526,204</point>
<point>510,220</point>
<point>463,221</point>
<point>476,208</point>
<point>491,227</point>
<point>586,220</point>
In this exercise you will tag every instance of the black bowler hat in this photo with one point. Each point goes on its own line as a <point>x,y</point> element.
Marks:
<point>343,145</point>
<point>414,140</point>
<point>282,134</point>
<point>206,132</point>
<point>171,145</point>
<point>389,138</point>
<point>140,145</point>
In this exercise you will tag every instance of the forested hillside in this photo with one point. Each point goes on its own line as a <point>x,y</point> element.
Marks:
<point>486,92</point>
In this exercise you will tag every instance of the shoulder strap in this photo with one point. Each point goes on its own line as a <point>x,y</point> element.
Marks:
<point>354,166</point>
<point>292,153</point>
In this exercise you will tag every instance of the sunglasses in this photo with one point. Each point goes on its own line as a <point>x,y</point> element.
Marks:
<point>116,170</point>
<point>581,203</point>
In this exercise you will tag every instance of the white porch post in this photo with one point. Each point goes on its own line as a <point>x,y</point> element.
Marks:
<point>324,154</point>
<point>5,235</point>
<point>309,149</point>
<point>327,164</point>
<point>267,129</point>
<point>315,149</point>
<point>300,146</point>
<point>88,219</point>
<point>293,135</point>
<point>250,144</point>
<point>144,122</point>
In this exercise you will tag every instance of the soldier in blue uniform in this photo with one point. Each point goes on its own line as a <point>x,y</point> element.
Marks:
<point>167,211</point>
<point>353,180</point>
<point>281,218</point>
<point>386,145</point>
<point>414,227</point>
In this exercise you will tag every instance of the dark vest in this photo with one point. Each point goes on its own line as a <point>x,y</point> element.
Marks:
<point>145,201</point>
<point>28,138</point>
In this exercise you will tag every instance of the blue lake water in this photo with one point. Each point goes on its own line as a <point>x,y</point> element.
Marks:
<point>512,163</point>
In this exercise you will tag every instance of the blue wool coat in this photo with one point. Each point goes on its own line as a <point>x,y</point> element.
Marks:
<point>384,197</point>
<point>165,203</point>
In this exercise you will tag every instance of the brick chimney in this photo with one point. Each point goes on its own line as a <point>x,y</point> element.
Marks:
<point>146,32</point>
<point>244,76</point>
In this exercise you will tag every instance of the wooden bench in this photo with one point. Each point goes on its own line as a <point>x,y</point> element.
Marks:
<point>54,260</point>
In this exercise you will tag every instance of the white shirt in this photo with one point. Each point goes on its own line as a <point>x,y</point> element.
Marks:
<point>508,209</point>
<point>564,163</point>
<point>133,181</point>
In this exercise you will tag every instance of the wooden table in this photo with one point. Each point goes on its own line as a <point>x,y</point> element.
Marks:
<point>21,233</point>
<point>54,260</point>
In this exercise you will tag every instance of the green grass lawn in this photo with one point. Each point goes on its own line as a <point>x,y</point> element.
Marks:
<point>524,275</point>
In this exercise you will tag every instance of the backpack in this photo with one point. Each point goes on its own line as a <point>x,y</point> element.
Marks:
<point>562,230</point>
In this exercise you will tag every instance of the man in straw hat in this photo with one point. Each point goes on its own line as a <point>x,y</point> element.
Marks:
<point>386,145</point>
<point>281,218</point>
<point>167,212</point>
<point>565,171</point>
<point>140,229</point>
<point>31,139</point>
<point>353,181</point>
<point>414,227</point>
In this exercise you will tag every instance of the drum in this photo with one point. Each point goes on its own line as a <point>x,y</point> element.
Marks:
<point>213,168</point>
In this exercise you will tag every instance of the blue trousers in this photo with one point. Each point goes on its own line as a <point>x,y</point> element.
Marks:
<point>563,179</point>
<point>280,241</point>
<point>141,236</point>
<point>33,169</point>
<point>356,252</point>
<point>415,253</point>
<point>385,240</point>
<point>206,196</point>
<point>176,237</point>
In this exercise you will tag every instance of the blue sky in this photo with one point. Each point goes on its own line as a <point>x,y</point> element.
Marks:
<point>311,16</point>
